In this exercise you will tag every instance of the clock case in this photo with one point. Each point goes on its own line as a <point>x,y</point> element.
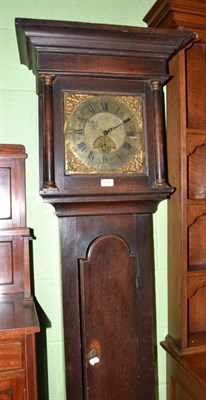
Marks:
<point>106,232</point>
<point>98,59</point>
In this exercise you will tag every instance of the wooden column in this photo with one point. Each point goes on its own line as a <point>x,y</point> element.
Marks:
<point>49,175</point>
<point>159,131</point>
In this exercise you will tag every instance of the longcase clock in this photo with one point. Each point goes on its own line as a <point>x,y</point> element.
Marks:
<point>186,94</point>
<point>102,167</point>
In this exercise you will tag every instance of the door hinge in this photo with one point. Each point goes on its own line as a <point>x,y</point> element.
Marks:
<point>137,282</point>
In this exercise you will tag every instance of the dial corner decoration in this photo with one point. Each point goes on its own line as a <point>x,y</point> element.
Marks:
<point>103,134</point>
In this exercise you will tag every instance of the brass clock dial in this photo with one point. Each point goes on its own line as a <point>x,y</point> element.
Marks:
<point>103,133</point>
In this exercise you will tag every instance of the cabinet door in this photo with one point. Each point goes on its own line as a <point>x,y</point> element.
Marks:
<point>109,320</point>
<point>12,387</point>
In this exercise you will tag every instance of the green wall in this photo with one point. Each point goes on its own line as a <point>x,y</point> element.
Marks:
<point>19,124</point>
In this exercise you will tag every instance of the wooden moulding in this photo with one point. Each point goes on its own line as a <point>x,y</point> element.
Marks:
<point>172,14</point>
<point>64,47</point>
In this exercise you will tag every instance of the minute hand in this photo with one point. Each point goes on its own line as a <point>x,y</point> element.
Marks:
<point>115,127</point>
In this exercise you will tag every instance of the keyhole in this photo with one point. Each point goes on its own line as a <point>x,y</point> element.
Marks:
<point>93,357</point>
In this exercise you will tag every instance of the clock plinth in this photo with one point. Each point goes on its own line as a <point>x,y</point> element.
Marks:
<point>102,163</point>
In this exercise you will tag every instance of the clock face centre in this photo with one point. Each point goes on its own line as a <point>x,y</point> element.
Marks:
<point>103,133</point>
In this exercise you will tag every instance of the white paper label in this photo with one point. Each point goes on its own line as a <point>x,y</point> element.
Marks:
<point>107,182</point>
<point>94,360</point>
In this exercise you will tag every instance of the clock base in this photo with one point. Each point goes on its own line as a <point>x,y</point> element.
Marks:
<point>107,271</point>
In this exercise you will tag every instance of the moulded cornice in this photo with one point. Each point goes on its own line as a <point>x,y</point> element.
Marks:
<point>188,14</point>
<point>43,45</point>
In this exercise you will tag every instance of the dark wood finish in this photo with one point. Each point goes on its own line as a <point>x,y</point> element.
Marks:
<point>106,232</point>
<point>134,231</point>
<point>90,58</point>
<point>65,39</point>
<point>18,319</point>
<point>186,95</point>
<point>48,131</point>
<point>110,302</point>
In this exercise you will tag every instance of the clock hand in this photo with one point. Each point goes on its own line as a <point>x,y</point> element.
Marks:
<point>115,127</point>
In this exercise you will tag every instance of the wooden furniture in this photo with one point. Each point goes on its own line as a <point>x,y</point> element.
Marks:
<point>186,143</point>
<point>111,78</point>
<point>18,319</point>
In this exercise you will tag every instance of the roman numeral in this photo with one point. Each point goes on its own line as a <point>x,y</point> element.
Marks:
<point>105,106</point>
<point>78,131</point>
<point>104,159</point>
<point>130,133</point>
<point>127,146</point>
<point>91,155</point>
<point>91,109</point>
<point>82,146</point>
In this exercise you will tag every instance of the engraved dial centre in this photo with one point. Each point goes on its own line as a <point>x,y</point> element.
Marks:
<point>101,135</point>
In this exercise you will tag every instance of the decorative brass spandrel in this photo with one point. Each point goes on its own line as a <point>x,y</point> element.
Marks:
<point>71,102</point>
<point>75,165</point>
<point>137,164</point>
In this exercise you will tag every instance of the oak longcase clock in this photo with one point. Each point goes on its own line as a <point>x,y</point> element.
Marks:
<point>102,167</point>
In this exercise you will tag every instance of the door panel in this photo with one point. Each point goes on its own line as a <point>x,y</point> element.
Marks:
<point>108,279</point>
<point>12,386</point>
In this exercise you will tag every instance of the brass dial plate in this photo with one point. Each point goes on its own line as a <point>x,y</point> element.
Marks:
<point>103,134</point>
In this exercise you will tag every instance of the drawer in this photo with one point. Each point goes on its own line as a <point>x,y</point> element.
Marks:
<point>11,355</point>
<point>12,386</point>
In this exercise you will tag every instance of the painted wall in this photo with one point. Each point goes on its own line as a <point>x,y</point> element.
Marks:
<point>18,124</point>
